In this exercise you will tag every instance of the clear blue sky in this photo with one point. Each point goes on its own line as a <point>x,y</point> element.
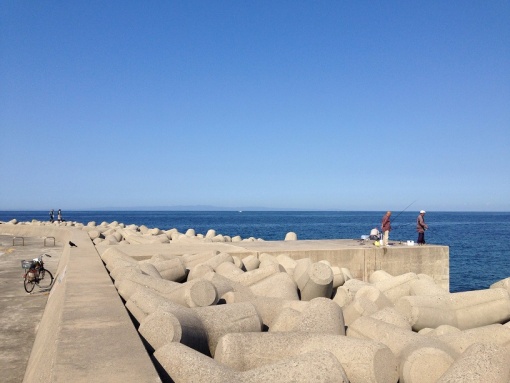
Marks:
<point>336,105</point>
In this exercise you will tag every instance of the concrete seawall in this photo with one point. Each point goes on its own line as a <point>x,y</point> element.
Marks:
<point>361,260</point>
<point>87,335</point>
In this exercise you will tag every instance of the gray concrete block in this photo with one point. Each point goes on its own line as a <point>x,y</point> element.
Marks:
<point>218,259</point>
<point>441,330</point>
<point>503,284</point>
<point>270,309</point>
<point>250,262</point>
<point>286,320</point>
<point>149,269</point>
<point>199,328</point>
<point>185,365</point>
<point>249,278</point>
<point>462,310</point>
<point>191,260</point>
<point>228,270</point>
<point>357,308</point>
<point>268,258</point>
<point>363,361</point>
<point>195,293</point>
<point>421,358</point>
<point>114,253</point>
<point>480,363</point>
<point>301,267</point>
<point>122,272</point>
<point>374,295</point>
<point>224,286</point>
<point>425,286</point>
<point>287,262</point>
<point>493,334</point>
<point>396,287</point>
<point>379,275</point>
<point>321,315</point>
<point>171,269</point>
<point>174,323</point>
<point>392,316</point>
<point>199,271</point>
<point>345,293</point>
<point>291,236</point>
<point>338,277</point>
<point>224,319</point>
<point>316,282</point>
<point>279,285</point>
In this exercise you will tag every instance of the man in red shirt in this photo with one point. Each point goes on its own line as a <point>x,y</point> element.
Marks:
<point>386,227</point>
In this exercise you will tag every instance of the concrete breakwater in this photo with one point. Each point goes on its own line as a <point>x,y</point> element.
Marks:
<point>253,310</point>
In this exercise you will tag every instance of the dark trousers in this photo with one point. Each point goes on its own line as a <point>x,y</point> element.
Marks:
<point>421,238</point>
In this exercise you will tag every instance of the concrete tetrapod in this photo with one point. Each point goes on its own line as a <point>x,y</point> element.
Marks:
<point>504,284</point>
<point>357,308</point>
<point>338,276</point>
<point>462,310</point>
<point>250,262</point>
<point>191,260</point>
<point>492,334</point>
<point>425,286</point>
<point>287,320</point>
<point>218,259</point>
<point>198,327</point>
<point>316,281</point>
<point>379,275</point>
<point>172,269</point>
<point>422,359</point>
<point>195,293</point>
<point>396,287</point>
<point>279,285</point>
<point>321,315</point>
<point>199,271</point>
<point>300,267</point>
<point>480,363</point>
<point>150,269</point>
<point>225,285</point>
<point>288,263</point>
<point>345,293</point>
<point>228,270</point>
<point>367,301</point>
<point>251,277</point>
<point>364,361</point>
<point>270,309</point>
<point>185,365</point>
<point>162,321</point>
<point>392,316</point>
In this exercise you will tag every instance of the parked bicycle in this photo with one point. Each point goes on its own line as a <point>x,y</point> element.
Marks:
<point>36,274</point>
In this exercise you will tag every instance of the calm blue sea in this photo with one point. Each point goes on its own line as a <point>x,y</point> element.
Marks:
<point>479,242</point>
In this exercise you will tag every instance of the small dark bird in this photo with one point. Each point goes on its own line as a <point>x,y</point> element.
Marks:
<point>72,244</point>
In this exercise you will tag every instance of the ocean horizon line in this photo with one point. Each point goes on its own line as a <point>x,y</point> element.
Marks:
<point>204,208</point>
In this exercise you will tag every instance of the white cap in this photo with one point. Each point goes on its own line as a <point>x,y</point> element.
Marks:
<point>422,211</point>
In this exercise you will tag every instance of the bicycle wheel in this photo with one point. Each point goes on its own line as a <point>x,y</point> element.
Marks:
<point>45,279</point>
<point>29,284</point>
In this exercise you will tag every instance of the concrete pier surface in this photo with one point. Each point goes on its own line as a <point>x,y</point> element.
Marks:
<point>83,330</point>
<point>21,313</point>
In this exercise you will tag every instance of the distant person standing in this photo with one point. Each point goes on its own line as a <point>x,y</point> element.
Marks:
<point>52,216</point>
<point>421,226</point>
<point>386,227</point>
<point>59,216</point>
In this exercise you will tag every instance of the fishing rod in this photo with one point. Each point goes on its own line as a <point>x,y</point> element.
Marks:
<point>407,207</point>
